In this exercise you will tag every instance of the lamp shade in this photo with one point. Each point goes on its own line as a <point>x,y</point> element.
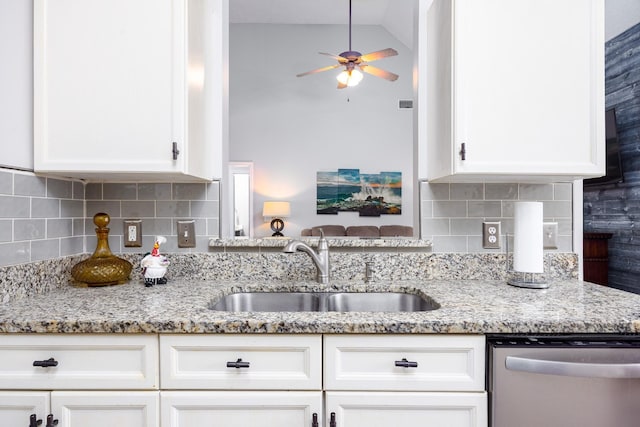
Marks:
<point>276,209</point>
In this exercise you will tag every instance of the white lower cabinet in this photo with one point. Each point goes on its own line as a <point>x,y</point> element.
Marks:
<point>18,407</point>
<point>241,408</point>
<point>79,380</point>
<point>366,380</point>
<point>268,380</point>
<point>79,408</point>
<point>404,380</point>
<point>406,409</point>
<point>240,380</point>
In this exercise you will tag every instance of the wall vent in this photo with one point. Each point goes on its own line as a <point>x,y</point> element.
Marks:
<point>405,103</point>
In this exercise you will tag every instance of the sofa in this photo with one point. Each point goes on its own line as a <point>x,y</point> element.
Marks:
<point>371,231</point>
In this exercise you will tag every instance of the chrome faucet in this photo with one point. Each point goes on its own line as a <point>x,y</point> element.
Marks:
<point>320,259</point>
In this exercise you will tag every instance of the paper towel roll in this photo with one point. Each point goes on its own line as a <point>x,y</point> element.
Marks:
<point>527,238</point>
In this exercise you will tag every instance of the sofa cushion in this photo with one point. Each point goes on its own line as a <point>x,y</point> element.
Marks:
<point>363,231</point>
<point>396,231</point>
<point>329,230</point>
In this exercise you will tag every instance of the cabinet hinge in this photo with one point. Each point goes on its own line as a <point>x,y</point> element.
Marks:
<point>463,152</point>
<point>175,151</point>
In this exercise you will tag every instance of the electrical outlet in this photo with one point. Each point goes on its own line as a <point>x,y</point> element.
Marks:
<point>550,235</point>
<point>491,235</point>
<point>187,234</point>
<point>132,233</point>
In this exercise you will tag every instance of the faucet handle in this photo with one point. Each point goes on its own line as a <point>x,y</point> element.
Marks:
<point>321,233</point>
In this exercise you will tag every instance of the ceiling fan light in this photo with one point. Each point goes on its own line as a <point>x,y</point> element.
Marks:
<point>350,78</point>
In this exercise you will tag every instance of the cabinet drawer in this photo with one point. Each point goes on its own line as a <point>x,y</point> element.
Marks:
<point>433,363</point>
<point>274,362</point>
<point>240,408</point>
<point>83,362</point>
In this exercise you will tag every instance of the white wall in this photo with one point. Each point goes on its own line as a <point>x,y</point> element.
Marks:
<point>16,83</point>
<point>620,15</point>
<point>293,127</point>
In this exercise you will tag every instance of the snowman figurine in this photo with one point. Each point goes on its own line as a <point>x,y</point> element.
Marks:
<point>154,265</point>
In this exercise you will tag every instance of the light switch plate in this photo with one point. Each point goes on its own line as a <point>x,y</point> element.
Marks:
<point>187,234</point>
<point>491,235</point>
<point>550,235</point>
<point>132,233</point>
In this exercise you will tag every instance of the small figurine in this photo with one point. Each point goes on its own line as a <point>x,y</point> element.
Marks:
<point>154,265</point>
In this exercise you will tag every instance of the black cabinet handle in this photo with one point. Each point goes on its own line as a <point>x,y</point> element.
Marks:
<point>404,363</point>
<point>314,420</point>
<point>51,422</point>
<point>45,363</point>
<point>34,421</point>
<point>332,420</point>
<point>238,364</point>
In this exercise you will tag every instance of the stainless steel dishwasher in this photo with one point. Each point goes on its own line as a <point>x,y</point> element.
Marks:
<point>564,381</point>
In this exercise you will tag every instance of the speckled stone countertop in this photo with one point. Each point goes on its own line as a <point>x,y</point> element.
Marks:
<point>467,306</point>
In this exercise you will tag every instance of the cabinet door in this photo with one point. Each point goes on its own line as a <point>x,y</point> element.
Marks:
<point>117,83</point>
<point>240,408</point>
<point>525,90</point>
<point>74,362</point>
<point>106,409</point>
<point>383,409</point>
<point>16,407</point>
<point>106,75</point>
<point>404,362</point>
<point>16,85</point>
<point>269,362</point>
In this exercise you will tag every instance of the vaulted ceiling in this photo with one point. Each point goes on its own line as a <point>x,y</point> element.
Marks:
<point>394,15</point>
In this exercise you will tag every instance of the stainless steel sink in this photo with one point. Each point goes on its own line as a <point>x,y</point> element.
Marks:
<point>324,301</point>
<point>378,301</point>
<point>268,301</point>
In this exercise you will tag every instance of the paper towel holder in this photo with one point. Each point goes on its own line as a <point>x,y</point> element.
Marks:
<point>527,280</point>
<point>528,247</point>
<point>521,279</point>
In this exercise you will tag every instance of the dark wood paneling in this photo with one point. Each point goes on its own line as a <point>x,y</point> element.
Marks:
<point>616,208</point>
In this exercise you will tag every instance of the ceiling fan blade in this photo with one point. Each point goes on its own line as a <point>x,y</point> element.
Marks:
<point>336,57</point>
<point>379,72</point>
<point>319,70</point>
<point>368,57</point>
<point>341,85</point>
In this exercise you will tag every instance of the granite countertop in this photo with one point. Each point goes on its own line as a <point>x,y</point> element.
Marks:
<point>467,306</point>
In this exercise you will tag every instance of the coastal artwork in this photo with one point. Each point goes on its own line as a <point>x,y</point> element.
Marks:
<point>348,190</point>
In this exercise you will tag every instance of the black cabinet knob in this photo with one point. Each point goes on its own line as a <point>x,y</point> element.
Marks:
<point>50,421</point>
<point>45,363</point>
<point>404,363</point>
<point>34,421</point>
<point>238,364</point>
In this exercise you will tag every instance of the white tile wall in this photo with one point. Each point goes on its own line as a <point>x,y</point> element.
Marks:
<point>43,218</point>
<point>452,214</point>
<point>40,218</point>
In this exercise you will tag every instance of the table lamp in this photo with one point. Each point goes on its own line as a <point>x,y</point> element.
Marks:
<point>276,211</point>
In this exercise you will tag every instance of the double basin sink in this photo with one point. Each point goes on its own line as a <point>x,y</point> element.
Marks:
<point>324,301</point>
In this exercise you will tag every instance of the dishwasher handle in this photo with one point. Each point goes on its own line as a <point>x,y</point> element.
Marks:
<point>573,369</point>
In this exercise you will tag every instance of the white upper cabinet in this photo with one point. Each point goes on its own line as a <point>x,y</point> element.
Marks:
<point>515,90</point>
<point>16,101</point>
<point>119,84</point>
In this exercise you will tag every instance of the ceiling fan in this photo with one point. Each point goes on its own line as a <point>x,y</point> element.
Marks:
<point>353,60</point>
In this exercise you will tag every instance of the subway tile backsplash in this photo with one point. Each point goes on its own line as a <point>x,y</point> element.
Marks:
<point>44,218</point>
<point>159,206</point>
<point>452,214</point>
<point>40,218</point>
